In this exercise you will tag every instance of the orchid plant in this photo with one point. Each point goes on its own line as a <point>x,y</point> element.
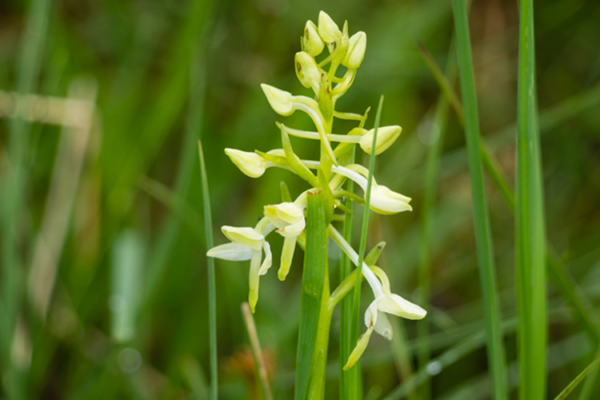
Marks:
<point>334,168</point>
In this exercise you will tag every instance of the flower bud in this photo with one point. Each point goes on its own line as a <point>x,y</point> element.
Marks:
<point>251,164</point>
<point>280,100</point>
<point>311,41</point>
<point>307,71</point>
<point>246,236</point>
<point>328,30</point>
<point>356,50</point>
<point>386,136</point>
<point>385,201</point>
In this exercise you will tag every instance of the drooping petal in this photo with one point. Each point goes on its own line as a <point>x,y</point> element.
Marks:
<point>254,278</point>
<point>359,349</point>
<point>268,259</point>
<point>287,254</point>
<point>246,236</point>
<point>394,304</point>
<point>231,252</point>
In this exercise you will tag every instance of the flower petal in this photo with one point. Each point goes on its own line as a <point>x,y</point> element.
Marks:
<point>383,326</point>
<point>231,252</point>
<point>394,304</point>
<point>246,236</point>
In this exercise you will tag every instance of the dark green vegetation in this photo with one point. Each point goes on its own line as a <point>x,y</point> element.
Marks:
<point>103,249</point>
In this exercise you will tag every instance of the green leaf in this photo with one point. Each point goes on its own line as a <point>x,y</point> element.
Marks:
<point>530,225</point>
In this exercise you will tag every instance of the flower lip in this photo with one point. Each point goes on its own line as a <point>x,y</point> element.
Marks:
<point>251,164</point>
<point>246,236</point>
<point>280,100</point>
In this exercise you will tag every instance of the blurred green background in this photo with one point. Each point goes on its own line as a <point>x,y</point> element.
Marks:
<point>104,292</point>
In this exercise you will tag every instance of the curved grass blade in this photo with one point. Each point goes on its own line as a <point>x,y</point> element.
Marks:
<point>485,251</point>
<point>571,386</point>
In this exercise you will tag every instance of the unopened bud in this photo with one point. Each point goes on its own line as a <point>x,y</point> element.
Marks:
<point>328,30</point>
<point>311,41</point>
<point>356,50</point>
<point>307,71</point>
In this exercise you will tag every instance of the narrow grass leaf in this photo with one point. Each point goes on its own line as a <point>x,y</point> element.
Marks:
<point>363,245</point>
<point>571,386</point>
<point>530,225</point>
<point>485,252</point>
<point>212,290</point>
<point>126,272</point>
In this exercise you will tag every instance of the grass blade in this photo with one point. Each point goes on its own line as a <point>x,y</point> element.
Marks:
<point>571,386</point>
<point>530,229</point>
<point>127,263</point>
<point>212,295</point>
<point>426,221</point>
<point>485,252</point>
<point>558,273</point>
<point>362,248</point>
<point>313,283</point>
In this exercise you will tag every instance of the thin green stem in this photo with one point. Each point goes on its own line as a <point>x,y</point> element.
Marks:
<point>212,294</point>
<point>365,228</point>
<point>485,252</point>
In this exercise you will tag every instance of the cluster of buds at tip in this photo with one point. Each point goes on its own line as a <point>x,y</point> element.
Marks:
<point>333,169</point>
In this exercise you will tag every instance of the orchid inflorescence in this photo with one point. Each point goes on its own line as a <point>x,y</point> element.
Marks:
<point>333,169</point>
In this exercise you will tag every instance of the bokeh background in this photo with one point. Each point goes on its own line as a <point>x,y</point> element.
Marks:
<point>104,288</point>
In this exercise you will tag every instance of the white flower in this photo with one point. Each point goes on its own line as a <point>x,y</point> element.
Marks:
<point>376,319</point>
<point>289,219</point>
<point>311,41</point>
<point>247,244</point>
<point>386,136</point>
<point>251,164</point>
<point>356,50</point>
<point>328,30</point>
<point>383,200</point>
